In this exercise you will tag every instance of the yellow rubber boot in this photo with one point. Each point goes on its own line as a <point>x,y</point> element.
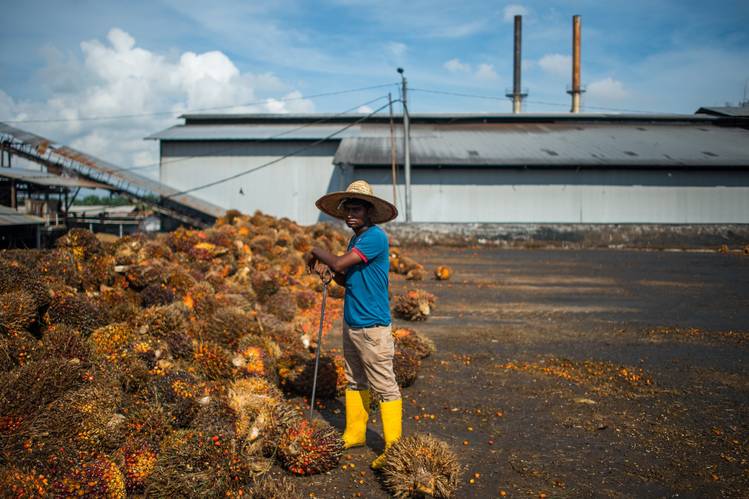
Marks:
<point>392,426</point>
<point>357,415</point>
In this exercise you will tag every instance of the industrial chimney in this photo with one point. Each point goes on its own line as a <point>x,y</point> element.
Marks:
<point>576,89</point>
<point>517,94</point>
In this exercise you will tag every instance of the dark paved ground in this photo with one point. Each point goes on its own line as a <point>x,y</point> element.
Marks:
<point>579,373</point>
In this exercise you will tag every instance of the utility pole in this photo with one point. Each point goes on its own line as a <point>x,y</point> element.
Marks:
<point>393,152</point>
<point>406,145</point>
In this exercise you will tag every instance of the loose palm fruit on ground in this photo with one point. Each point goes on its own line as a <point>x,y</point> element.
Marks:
<point>443,273</point>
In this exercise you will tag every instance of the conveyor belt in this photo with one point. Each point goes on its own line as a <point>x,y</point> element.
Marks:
<point>57,158</point>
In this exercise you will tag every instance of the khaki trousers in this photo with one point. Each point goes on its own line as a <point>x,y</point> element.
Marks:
<point>368,353</point>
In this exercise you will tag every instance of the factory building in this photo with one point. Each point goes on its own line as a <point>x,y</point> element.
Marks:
<point>474,168</point>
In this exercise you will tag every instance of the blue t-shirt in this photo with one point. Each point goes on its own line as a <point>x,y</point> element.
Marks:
<point>367,303</point>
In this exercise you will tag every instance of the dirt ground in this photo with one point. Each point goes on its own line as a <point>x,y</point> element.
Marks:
<point>576,374</point>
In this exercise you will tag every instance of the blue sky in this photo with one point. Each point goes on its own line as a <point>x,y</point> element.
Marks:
<point>69,60</point>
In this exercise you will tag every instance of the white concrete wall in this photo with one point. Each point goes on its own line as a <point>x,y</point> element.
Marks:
<point>288,188</point>
<point>569,196</point>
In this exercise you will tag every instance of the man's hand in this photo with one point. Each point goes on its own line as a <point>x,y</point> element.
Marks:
<point>315,265</point>
<point>310,260</point>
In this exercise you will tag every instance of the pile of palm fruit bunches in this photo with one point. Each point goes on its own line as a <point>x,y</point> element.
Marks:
<point>161,365</point>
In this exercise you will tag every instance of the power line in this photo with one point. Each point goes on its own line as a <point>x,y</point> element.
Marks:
<point>280,158</point>
<point>172,113</point>
<point>267,139</point>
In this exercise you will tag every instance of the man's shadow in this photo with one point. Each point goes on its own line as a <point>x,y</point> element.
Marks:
<point>333,410</point>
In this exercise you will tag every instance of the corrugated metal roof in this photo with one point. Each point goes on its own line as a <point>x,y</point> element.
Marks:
<point>254,132</point>
<point>48,179</point>
<point>416,118</point>
<point>728,111</point>
<point>9,216</point>
<point>555,145</point>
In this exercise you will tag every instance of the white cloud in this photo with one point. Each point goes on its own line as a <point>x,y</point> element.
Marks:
<point>556,64</point>
<point>455,66</point>
<point>364,109</point>
<point>453,30</point>
<point>397,49</point>
<point>607,89</point>
<point>486,72</point>
<point>292,102</point>
<point>512,10</point>
<point>117,77</point>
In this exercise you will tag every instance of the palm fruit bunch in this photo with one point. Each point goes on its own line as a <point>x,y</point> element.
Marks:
<point>305,299</point>
<point>182,240</point>
<point>297,374</point>
<point>121,303</point>
<point>82,421</point>
<point>416,274</point>
<point>17,348</point>
<point>201,299</point>
<point>145,425</point>
<point>17,311</point>
<point>273,487</point>
<point>253,358</point>
<point>18,482</point>
<point>63,342</point>
<point>156,294</point>
<point>92,264</point>
<point>76,310</point>
<point>169,325</point>
<point>406,365</point>
<point>266,284</point>
<point>99,477</point>
<point>414,305</point>
<point>227,325</point>
<point>282,304</point>
<point>410,339</point>
<point>214,416</point>
<point>420,465</point>
<point>138,461</point>
<point>24,296</point>
<point>443,273</point>
<point>406,265</point>
<point>212,360</point>
<point>192,463</point>
<point>112,342</point>
<point>262,415</point>
<point>311,447</point>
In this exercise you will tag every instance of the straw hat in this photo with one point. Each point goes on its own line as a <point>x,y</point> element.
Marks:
<point>332,203</point>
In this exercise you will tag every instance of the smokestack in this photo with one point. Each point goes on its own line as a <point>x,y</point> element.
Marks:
<point>517,94</point>
<point>576,87</point>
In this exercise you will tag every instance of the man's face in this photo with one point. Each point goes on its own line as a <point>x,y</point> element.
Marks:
<point>357,215</point>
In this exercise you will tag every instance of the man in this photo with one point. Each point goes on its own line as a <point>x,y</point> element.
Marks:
<point>367,339</point>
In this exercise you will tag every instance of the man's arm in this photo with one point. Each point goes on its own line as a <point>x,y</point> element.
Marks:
<point>338,264</point>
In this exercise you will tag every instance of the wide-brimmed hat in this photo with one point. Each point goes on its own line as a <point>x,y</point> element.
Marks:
<point>332,203</point>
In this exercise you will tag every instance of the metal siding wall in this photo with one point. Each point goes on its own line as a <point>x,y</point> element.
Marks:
<point>570,196</point>
<point>286,189</point>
